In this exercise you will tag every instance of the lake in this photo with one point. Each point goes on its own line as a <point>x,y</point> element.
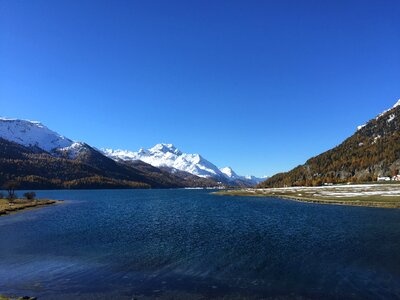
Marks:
<point>189,244</point>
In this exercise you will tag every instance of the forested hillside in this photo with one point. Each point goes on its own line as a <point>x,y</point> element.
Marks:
<point>374,150</point>
<point>31,168</point>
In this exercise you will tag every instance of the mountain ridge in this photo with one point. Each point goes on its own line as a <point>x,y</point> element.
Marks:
<point>31,152</point>
<point>168,156</point>
<point>372,151</point>
<point>33,156</point>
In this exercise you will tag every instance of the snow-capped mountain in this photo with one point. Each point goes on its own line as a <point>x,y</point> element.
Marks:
<point>32,134</point>
<point>228,172</point>
<point>256,180</point>
<point>167,155</point>
<point>37,137</point>
<point>73,151</point>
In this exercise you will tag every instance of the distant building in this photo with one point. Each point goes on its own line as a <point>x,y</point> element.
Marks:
<point>384,179</point>
<point>396,178</point>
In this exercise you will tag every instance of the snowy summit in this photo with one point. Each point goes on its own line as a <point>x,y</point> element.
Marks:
<point>229,172</point>
<point>167,155</point>
<point>32,134</point>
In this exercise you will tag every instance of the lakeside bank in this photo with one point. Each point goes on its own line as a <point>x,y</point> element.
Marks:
<point>18,205</point>
<point>368,195</point>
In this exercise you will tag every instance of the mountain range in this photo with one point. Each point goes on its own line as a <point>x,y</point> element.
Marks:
<point>372,151</point>
<point>33,156</point>
<point>168,157</point>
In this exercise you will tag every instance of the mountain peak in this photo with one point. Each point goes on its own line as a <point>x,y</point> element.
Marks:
<point>397,104</point>
<point>165,148</point>
<point>35,135</point>
<point>167,155</point>
<point>32,134</point>
<point>227,169</point>
<point>142,151</point>
<point>229,172</point>
<point>21,121</point>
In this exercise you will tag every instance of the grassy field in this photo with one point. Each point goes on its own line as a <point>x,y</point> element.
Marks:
<point>21,204</point>
<point>372,195</point>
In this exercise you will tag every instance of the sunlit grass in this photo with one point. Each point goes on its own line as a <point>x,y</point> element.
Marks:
<point>7,207</point>
<point>360,195</point>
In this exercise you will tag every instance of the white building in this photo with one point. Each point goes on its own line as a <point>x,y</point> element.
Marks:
<point>396,178</point>
<point>384,179</point>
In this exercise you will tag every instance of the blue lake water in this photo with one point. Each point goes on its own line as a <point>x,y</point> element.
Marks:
<point>188,244</point>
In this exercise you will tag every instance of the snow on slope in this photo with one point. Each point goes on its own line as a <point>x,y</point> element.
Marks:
<point>256,180</point>
<point>32,134</point>
<point>394,106</point>
<point>35,134</point>
<point>390,119</point>
<point>167,155</point>
<point>73,151</point>
<point>230,173</point>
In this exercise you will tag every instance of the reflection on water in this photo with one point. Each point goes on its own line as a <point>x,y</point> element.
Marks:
<point>187,244</point>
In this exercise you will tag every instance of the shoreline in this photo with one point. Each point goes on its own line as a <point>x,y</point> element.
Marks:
<point>2,297</point>
<point>365,196</point>
<point>21,205</point>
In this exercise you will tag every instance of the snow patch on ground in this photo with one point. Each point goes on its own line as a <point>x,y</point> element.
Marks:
<point>361,127</point>
<point>342,191</point>
<point>386,111</point>
<point>391,118</point>
<point>376,139</point>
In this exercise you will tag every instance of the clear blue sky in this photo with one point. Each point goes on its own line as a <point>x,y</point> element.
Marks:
<point>260,86</point>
